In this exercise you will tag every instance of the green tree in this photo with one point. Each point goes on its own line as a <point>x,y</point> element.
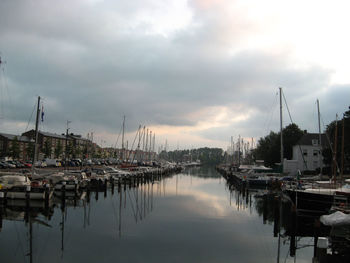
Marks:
<point>211,156</point>
<point>58,149</point>
<point>342,124</point>
<point>70,149</point>
<point>77,151</point>
<point>30,151</point>
<point>47,149</point>
<point>269,147</point>
<point>291,135</point>
<point>15,149</point>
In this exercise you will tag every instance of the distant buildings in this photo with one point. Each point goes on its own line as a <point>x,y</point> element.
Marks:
<point>51,145</point>
<point>15,145</point>
<point>58,146</point>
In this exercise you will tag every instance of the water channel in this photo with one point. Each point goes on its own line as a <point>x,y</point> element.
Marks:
<point>193,216</point>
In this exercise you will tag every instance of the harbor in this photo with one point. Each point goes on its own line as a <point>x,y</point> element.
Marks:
<point>174,131</point>
<point>193,214</point>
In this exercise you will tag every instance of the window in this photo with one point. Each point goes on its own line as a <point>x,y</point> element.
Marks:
<point>315,152</point>
<point>305,152</point>
<point>314,142</point>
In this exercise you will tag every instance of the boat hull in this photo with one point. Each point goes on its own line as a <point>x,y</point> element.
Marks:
<point>314,202</point>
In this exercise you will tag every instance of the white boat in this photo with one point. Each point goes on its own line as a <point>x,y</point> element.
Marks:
<point>20,187</point>
<point>335,219</point>
<point>8,180</point>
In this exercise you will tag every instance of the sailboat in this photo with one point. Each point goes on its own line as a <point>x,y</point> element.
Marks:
<point>20,186</point>
<point>319,196</point>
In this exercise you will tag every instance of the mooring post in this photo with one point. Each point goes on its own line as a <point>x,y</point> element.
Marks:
<point>112,186</point>
<point>47,195</point>
<point>63,192</point>
<point>292,247</point>
<point>88,193</point>
<point>28,188</point>
<point>96,194</point>
<point>1,208</point>
<point>2,204</point>
<point>2,198</point>
<point>105,187</point>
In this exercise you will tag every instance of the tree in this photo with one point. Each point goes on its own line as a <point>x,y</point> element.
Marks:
<point>30,151</point>
<point>211,156</point>
<point>330,131</point>
<point>77,152</point>
<point>70,149</point>
<point>269,147</point>
<point>47,148</point>
<point>58,150</point>
<point>291,135</point>
<point>14,149</point>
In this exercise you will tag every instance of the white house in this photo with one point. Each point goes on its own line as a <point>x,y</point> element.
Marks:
<point>308,152</point>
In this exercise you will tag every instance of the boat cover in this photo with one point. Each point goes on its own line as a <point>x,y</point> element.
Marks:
<point>336,219</point>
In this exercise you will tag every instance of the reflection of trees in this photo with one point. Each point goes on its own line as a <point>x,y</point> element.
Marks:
<point>205,171</point>
<point>265,207</point>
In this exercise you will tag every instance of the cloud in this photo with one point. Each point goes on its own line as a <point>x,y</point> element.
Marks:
<point>196,66</point>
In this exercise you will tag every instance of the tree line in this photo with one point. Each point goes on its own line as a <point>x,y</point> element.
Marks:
<point>212,156</point>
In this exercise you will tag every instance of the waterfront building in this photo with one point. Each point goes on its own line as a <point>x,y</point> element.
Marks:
<point>50,144</point>
<point>8,141</point>
<point>82,147</point>
<point>307,154</point>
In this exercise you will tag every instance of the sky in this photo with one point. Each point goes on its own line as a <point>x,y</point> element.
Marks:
<point>194,72</point>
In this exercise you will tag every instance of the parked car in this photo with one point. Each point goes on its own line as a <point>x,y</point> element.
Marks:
<point>51,162</point>
<point>72,164</point>
<point>10,164</point>
<point>4,165</point>
<point>87,162</point>
<point>40,164</point>
<point>18,164</point>
<point>27,164</point>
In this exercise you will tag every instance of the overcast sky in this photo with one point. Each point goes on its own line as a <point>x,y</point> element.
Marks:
<point>195,72</point>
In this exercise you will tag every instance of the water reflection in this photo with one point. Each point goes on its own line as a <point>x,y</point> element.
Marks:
<point>193,216</point>
<point>299,235</point>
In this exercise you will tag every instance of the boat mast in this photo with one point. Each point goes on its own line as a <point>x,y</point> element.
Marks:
<point>319,137</point>
<point>281,127</point>
<point>335,150</point>
<point>146,147</point>
<point>342,150</point>
<point>123,150</point>
<point>36,135</point>
<point>239,150</point>
<point>153,147</point>
<point>150,146</point>
<point>66,147</point>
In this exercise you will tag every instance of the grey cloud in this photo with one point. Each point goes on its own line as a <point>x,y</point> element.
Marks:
<point>92,71</point>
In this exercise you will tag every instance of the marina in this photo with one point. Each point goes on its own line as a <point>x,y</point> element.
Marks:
<point>174,131</point>
<point>193,215</point>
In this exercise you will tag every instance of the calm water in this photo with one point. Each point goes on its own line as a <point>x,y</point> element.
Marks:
<point>189,217</point>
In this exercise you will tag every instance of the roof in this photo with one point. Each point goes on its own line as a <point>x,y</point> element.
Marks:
<point>60,136</point>
<point>309,137</point>
<point>78,137</point>
<point>20,138</point>
<point>54,135</point>
<point>46,134</point>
